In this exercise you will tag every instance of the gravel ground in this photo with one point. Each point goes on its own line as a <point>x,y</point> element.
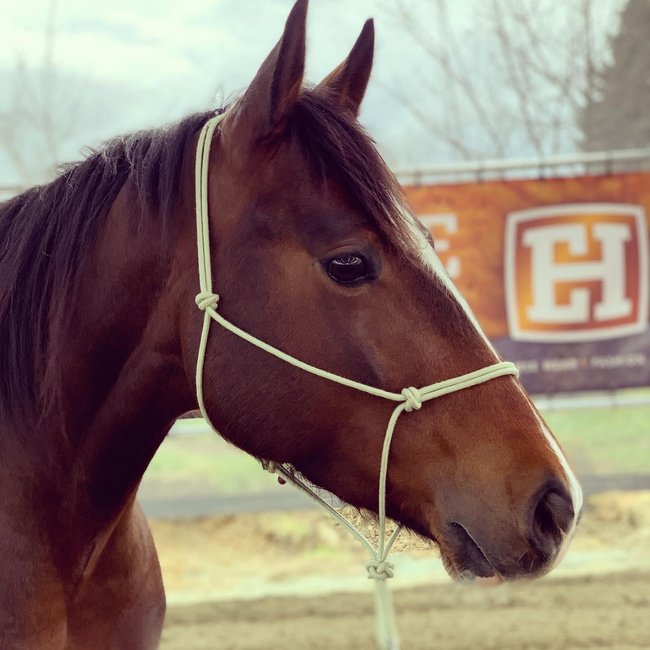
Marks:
<point>225,577</point>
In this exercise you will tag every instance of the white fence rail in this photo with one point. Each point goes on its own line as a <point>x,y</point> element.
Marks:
<point>578,164</point>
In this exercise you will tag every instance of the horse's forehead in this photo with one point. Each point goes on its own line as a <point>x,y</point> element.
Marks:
<point>289,182</point>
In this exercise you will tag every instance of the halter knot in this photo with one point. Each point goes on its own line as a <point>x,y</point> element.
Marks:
<point>206,299</point>
<point>379,569</point>
<point>412,398</point>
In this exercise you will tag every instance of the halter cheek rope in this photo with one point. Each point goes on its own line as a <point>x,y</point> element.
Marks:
<point>409,399</point>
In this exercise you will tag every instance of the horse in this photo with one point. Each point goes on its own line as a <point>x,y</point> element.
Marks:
<point>313,250</point>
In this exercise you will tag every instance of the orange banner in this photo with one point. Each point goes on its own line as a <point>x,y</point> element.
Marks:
<point>556,263</point>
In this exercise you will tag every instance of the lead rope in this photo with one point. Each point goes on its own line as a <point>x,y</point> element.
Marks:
<point>409,399</point>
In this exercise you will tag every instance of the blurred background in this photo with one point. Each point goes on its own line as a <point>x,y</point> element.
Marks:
<point>464,80</point>
<point>499,117</point>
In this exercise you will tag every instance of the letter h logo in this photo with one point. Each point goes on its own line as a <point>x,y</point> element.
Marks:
<point>576,272</point>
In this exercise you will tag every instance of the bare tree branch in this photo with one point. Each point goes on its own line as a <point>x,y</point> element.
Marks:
<point>530,69</point>
<point>458,145</point>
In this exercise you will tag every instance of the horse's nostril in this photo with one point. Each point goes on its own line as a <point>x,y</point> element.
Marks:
<point>552,516</point>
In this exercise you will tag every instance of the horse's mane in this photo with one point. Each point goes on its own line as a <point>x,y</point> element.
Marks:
<point>45,232</point>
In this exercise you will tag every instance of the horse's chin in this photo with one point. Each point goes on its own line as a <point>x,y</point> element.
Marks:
<point>465,561</point>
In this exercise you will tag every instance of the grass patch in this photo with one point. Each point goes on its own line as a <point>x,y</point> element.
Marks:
<point>605,441</point>
<point>205,460</point>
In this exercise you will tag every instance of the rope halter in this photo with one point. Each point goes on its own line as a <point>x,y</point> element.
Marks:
<point>409,399</point>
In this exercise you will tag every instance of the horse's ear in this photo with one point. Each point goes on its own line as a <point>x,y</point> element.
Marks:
<point>274,90</point>
<point>347,83</point>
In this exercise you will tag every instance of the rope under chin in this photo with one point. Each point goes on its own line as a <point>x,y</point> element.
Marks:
<point>379,568</point>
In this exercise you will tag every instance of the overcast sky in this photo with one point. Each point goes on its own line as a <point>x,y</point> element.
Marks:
<point>141,64</point>
<point>135,64</point>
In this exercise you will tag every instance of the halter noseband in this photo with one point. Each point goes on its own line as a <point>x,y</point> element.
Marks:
<point>409,399</point>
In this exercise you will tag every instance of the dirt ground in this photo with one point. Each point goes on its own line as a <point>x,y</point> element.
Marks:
<point>225,578</point>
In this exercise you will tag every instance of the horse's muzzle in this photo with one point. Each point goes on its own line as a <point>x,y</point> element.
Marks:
<point>528,551</point>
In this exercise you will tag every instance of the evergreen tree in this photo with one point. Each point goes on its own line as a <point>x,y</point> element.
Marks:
<point>617,116</point>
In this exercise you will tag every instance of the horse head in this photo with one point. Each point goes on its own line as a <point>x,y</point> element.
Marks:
<point>314,251</point>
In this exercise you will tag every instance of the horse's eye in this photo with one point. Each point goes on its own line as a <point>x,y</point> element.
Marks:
<point>349,268</point>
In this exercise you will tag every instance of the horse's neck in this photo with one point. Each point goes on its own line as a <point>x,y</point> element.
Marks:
<point>121,377</point>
